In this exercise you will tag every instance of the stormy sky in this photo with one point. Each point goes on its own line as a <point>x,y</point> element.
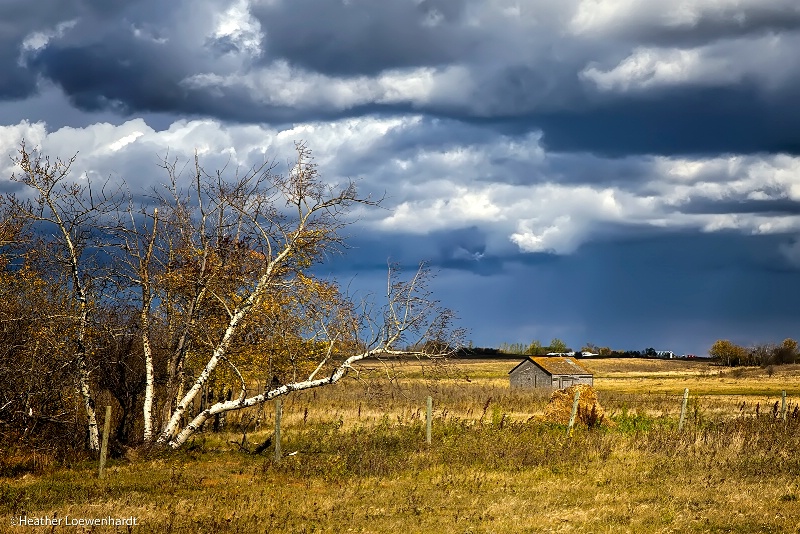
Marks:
<point>621,172</point>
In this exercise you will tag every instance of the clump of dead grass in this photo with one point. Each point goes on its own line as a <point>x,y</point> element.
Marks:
<point>590,412</point>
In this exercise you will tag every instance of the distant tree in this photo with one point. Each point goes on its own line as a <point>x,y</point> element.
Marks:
<point>728,353</point>
<point>557,345</point>
<point>763,355</point>
<point>626,354</point>
<point>605,351</point>
<point>768,354</point>
<point>787,351</point>
<point>535,347</point>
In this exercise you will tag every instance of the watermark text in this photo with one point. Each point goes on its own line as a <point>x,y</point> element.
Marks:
<point>72,521</point>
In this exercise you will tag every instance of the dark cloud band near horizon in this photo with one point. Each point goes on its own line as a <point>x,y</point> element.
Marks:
<point>580,154</point>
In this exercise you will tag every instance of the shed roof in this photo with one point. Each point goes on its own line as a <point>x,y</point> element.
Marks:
<point>554,365</point>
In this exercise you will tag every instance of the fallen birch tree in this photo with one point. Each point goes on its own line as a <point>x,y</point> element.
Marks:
<point>281,225</point>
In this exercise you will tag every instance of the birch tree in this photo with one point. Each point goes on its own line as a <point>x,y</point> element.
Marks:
<point>186,244</point>
<point>285,223</point>
<point>136,240</point>
<point>73,211</point>
<point>37,406</point>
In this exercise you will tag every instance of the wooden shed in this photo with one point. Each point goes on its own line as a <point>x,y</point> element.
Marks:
<point>550,372</point>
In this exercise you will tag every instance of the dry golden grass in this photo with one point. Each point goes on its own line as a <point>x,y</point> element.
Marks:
<point>721,387</point>
<point>361,463</point>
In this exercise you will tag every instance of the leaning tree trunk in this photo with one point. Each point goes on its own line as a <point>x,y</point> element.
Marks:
<point>242,402</point>
<point>219,353</point>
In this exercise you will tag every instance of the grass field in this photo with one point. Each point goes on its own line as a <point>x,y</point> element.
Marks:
<point>359,461</point>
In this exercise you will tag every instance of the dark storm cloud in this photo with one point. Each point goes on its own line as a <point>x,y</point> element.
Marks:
<point>518,90</point>
<point>778,206</point>
<point>660,283</point>
<point>522,73</point>
<point>463,250</point>
<point>687,121</point>
<point>435,134</point>
<point>115,75</point>
<point>16,82</point>
<point>364,37</point>
<point>674,291</point>
<point>19,19</point>
<point>50,105</point>
<point>625,173</point>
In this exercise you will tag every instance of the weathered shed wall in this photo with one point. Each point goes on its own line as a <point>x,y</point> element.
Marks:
<point>530,375</point>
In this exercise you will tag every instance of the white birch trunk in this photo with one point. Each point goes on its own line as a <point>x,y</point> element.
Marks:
<point>149,390</point>
<point>80,353</point>
<point>84,387</point>
<point>88,403</point>
<point>83,373</point>
<point>242,402</point>
<point>219,352</point>
<point>171,428</point>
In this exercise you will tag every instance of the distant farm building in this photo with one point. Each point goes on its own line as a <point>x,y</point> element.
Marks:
<point>549,372</point>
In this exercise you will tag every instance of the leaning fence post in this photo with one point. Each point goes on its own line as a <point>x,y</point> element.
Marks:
<point>574,412</point>
<point>783,405</point>
<point>428,418</point>
<point>683,408</point>
<point>104,447</point>
<point>278,412</point>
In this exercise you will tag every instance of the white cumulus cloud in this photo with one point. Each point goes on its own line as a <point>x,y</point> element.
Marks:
<point>511,188</point>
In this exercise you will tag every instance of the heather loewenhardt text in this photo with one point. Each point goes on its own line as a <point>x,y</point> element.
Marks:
<point>69,521</point>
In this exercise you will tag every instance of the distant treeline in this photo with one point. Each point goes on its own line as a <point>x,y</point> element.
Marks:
<point>764,355</point>
<point>488,352</point>
<point>722,351</point>
<point>556,345</point>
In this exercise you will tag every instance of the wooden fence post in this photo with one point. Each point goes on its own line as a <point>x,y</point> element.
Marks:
<point>104,447</point>
<point>278,413</point>
<point>783,405</point>
<point>574,412</point>
<point>428,419</point>
<point>683,408</point>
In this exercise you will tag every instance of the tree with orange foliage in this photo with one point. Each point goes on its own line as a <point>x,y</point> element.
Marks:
<point>728,353</point>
